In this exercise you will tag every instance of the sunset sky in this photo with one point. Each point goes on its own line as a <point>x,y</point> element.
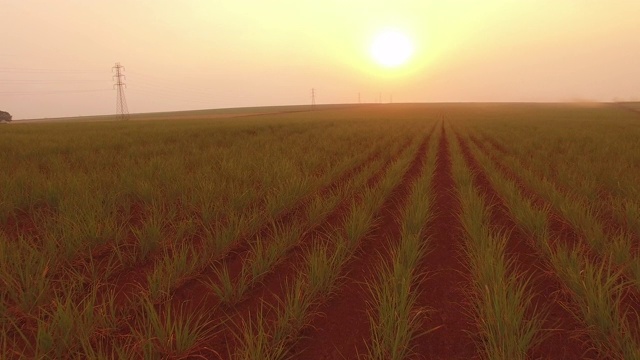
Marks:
<point>56,56</point>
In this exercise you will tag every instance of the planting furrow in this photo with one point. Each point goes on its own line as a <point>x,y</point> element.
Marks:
<point>507,322</point>
<point>316,279</point>
<point>579,222</point>
<point>179,263</point>
<point>382,232</point>
<point>19,224</point>
<point>136,214</point>
<point>273,288</point>
<point>610,189</point>
<point>344,326</point>
<point>563,338</point>
<point>619,216</point>
<point>230,241</point>
<point>443,290</point>
<point>394,315</point>
<point>582,164</point>
<point>200,297</point>
<point>599,294</point>
<point>204,297</point>
<point>236,260</point>
<point>234,276</point>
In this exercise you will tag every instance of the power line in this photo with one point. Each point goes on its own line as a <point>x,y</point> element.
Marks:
<point>49,76</point>
<point>141,84</point>
<point>50,92</point>
<point>122,112</point>
<point>50,71</point>
<point>66,81</point>
<point>174,97</point>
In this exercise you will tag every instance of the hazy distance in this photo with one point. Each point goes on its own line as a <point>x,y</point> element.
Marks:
<point>56,56</point>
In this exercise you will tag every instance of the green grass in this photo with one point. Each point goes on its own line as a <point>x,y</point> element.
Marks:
<point>24,274</point>
<point>263,255</point>
<point>502,301</point>
<point>293,313</point>
<point>321,206</point>
<point>394,315</point>
<point>257,342</point>
<point>74,325</point>
<point>583,216</point>
<point>322,268</point>
<point>597,288</point>
<point>325,261</point>
<point>88,202</point>
<point>171,270</point>
<point>167,333</point>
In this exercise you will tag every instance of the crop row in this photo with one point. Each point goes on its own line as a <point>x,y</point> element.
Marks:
<point>501,296</point>
<point>597,287</point>
<point>612,243</point>
<point>591,159</point>
<point>395,317</point>
<point>311,238</point>
<point>317,277</point>
<point>45,287</point>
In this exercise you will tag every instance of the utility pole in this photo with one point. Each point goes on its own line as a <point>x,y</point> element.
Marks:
<point>359,100</point>
<point>122,112</point>
<point>313,97</point>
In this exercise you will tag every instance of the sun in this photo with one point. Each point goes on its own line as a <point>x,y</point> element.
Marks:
<point>391,48</point>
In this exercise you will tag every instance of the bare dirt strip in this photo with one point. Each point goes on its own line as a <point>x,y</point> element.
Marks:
<point>343,329</point>
<point>611,222</point>
<point>443,293</point>
<point>561,331</point>
<point>269,290</point>
<point>133,279</point>
<point>559,227</point>
<point>561,231</point>
<point>22,224</point>
<point>129,282</point>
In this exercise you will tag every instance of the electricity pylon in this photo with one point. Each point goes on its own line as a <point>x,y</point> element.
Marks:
<point>122,112</point>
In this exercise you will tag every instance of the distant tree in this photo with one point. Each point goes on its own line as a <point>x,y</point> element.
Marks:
<point>5,116</point>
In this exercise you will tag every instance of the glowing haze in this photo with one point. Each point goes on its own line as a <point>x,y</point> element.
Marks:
<point>56,56</point>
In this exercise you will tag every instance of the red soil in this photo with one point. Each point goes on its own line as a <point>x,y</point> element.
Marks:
<point>23,224</point>
<point>566,340</point>
<point>130,281</point>
<point>561,231</point>
<point>133,279</point>
<point>273,286</point>
<point>443,292</point>
<point>606,215</point>
<point>343,329</point>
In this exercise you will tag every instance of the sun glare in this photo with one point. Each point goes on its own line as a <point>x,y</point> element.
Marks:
<point>391,48</point>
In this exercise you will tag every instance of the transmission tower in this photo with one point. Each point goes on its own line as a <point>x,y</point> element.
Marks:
<point>122,112</point>
<point>313,96</point>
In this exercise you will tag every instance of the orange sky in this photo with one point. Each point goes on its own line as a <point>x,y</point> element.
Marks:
<point>56,56</point>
